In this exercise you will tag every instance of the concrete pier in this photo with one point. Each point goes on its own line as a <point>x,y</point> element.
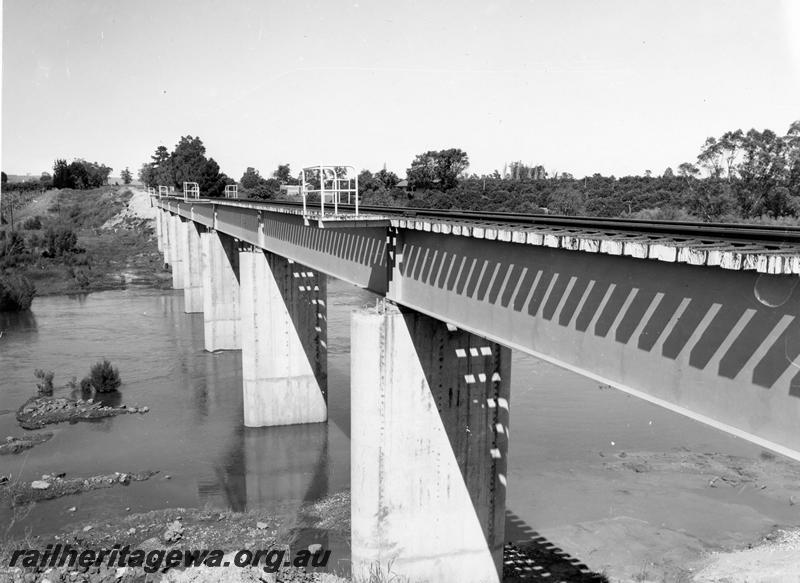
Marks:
<point>192,270</point>
<point>429,442</point>
<point>165,236</point>
<point>220,275</point>
<point>284,354</point>
<point>159,229</point>
<point>177,249</point>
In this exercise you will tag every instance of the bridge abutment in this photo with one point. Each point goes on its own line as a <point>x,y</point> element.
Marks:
<point>220,275</point>
<point>429,442</point>
<point>193,270</point>
<point>284,331</point>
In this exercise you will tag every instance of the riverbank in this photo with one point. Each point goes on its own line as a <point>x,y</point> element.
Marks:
<point>115,247</point>
<point>183,529</point>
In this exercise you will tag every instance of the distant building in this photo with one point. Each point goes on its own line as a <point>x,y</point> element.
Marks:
<point>290,189</point>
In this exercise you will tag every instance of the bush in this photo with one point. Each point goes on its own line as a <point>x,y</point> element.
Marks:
<point>104,377</point>
<point>45,384</point>
<point>16,293</point>
<point>60,241</point>
<point>32,224</point>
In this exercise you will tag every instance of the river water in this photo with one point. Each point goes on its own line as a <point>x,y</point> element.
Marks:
<point>560,422</point>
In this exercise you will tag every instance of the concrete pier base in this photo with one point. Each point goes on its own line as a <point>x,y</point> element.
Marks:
<point>429,442</point>
<point>177,249</point>
<point>284,356</point>
<point>193,270</point>
<point>220,274</point>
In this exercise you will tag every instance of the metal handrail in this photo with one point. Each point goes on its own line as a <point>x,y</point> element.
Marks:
<point>336,191</point>
<point>190,189</point>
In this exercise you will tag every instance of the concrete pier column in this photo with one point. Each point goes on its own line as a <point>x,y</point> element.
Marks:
<point>192,270</point>
<point>429,442</point>
<point>220,274</point>
<point>284,356</point>
<point>177,249</point>
<point>165,233</point>
<point>159,230</point>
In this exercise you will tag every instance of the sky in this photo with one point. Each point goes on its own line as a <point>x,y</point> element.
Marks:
<point>617,87</point>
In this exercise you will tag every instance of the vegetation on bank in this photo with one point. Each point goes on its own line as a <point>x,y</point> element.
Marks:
<point>58,243</point>
<point>16,291</point>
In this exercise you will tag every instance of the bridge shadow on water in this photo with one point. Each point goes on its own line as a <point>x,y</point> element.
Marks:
<point>528,556</point>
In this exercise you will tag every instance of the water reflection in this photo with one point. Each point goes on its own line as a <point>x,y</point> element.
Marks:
<point>17,322</point>
<point>267,467</point>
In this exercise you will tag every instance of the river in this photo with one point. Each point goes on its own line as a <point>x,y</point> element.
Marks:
<point>560,423</point>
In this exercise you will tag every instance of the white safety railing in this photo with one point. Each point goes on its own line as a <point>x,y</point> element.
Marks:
<point>332,183</point>
<point>231,191</point>
<point>163,191</point>
<point>190,190</point>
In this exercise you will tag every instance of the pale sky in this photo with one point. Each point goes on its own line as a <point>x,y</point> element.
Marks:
<point>616,87</point>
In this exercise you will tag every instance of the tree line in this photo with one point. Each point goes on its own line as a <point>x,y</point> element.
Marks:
<point>753,175</point>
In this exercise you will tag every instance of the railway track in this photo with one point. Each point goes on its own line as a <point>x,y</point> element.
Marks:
<point>734,233</point>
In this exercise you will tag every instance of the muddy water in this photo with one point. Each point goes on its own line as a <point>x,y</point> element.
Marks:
<point>562,427</point>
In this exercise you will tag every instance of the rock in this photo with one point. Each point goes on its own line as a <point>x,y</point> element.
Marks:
<point>261,525</point>
<point>121,572</point>
<point>40,485</point>
<point>167,477</point>
<point>124,479</point>
<point>131,531</point>
<point>173,533</point>
<point>71,509</point>
<point>87,528</point>
<point>315,548</point>
<point>144,409</point>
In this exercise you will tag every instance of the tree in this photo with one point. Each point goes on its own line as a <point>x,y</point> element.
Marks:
<point>283,174</point>
<point>251,178</point>
<point>668,173</point>
<point>188,161</point>
<point>161,168</point>
<point>4,178</point>
<point>46,180</point>
<point>147,175</point>
<point>388,179</point>
<point>211,181</point>
<point>437,169</point>
<point>710,157</point>
<point>61,178</point>
<point>126,176</point>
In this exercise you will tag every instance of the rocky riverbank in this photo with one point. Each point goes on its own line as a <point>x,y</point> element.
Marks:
<point>37,412</point>
<point>54,486</point>
<point>20,444</point>
<point>169,530</point>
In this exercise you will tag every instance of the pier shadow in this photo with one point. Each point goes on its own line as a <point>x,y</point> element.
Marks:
<point>528,556</point>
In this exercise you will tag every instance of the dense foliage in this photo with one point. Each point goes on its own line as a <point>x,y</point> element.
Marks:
<point>186,163</point>
<point>16,293</point>
<point>80,174</point>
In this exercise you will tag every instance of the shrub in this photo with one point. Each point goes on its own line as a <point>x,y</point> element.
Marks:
<point>60,241</point>
<point>45,384</point>
<point>86,388</point>
<point>32,223</point>
<point>104,377</point>
<point>16,293</point>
